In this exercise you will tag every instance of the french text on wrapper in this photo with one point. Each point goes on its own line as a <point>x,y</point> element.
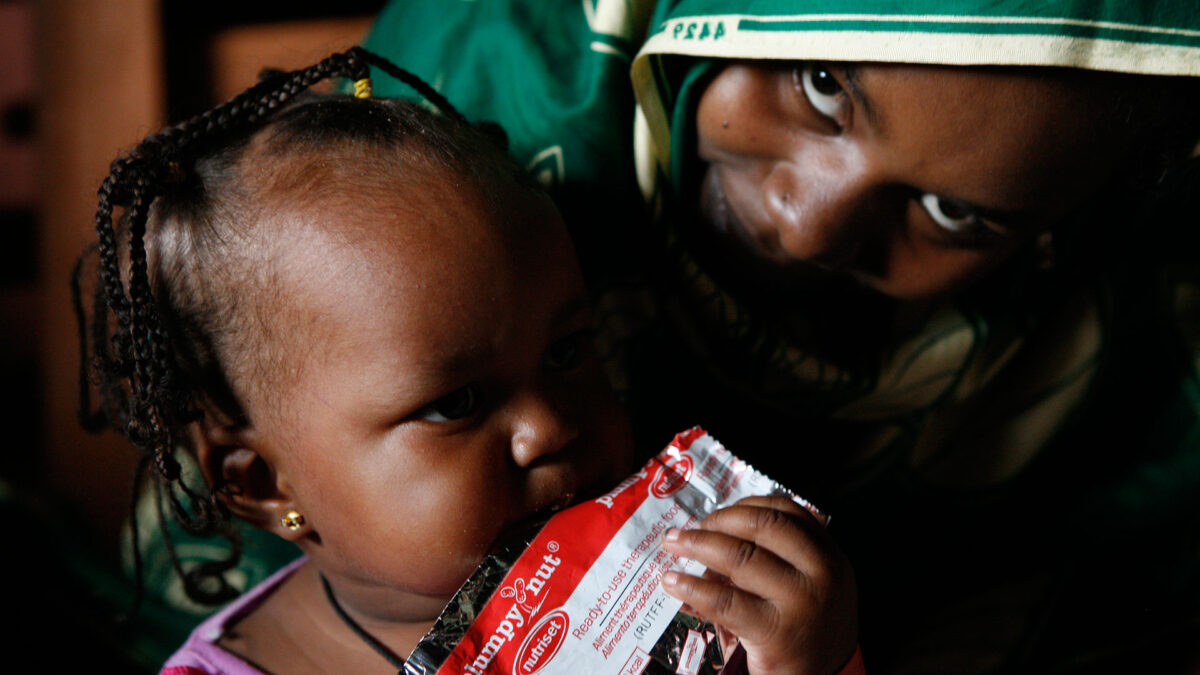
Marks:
<point>629,596</point>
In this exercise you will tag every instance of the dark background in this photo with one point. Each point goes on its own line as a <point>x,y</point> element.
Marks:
<point>80,82</point>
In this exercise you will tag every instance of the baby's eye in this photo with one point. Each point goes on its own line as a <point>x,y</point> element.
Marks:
<point>460,403</point>
<point>950,215</point>
<point>821,89</point>
<point>567,353</point>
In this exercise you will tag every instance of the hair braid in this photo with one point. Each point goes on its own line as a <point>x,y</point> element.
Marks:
<point>131,361</point>
<point>421,87</point>
<point>140,349</point>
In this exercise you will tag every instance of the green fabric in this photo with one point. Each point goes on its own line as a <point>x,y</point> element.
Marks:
<point>1171,23</point>
<point>262,554</point>
<point>566,110</point>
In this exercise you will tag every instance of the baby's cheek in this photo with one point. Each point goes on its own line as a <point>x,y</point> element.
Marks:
<point>469,526</point>
<point>440,566</point>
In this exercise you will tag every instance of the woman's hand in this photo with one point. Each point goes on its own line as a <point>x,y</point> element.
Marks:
<point>776,580</point>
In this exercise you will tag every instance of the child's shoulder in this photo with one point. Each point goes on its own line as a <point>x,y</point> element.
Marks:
<point>216,646</point>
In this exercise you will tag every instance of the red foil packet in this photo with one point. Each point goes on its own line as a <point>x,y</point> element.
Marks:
<point>581,593</point>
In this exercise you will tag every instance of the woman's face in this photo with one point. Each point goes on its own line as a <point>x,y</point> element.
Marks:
<point>914,181</point>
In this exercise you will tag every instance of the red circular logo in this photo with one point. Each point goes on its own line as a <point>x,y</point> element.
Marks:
<point>671,477</point>
<point>542,643</point>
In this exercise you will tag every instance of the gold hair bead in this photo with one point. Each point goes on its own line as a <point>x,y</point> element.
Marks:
<point>362,88</point>
<point>292,520</point>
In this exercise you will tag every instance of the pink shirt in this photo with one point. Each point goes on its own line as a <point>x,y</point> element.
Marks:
<point>201,655</point>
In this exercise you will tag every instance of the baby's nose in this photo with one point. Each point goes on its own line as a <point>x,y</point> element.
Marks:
<point>541,427</point>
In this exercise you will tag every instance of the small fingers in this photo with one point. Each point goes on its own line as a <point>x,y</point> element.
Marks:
<point>747,564</point>
<point>794,505</point>
<point>777,524</point>
<point>747,615</point>
<point>775,578</point>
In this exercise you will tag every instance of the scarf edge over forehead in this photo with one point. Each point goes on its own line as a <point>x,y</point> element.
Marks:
<point>1149,38</point>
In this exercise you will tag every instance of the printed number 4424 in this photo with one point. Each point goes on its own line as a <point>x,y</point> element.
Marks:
<point>699,30</point>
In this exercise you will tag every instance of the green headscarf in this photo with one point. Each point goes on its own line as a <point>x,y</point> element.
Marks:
<point>556,74</point>
<point>1148,37</point>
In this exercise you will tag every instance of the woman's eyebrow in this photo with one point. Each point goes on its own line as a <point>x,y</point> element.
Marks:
<point>1015,221</point>
<point>855,89</point>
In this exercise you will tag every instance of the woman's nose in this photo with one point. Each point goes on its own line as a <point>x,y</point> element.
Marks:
<point>820,212</point>
<point>541,427</point>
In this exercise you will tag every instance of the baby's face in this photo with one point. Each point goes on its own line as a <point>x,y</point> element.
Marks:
<point>440,383</point>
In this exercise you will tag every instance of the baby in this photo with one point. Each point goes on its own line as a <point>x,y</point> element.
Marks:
<point>370,330</point>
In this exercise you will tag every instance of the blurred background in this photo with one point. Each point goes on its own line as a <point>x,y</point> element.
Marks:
<point>80,82</point>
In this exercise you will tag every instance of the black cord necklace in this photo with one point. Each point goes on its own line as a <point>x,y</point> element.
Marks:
<point>360,631</point>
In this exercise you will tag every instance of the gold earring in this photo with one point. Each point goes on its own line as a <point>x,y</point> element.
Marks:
<point>292,520</point>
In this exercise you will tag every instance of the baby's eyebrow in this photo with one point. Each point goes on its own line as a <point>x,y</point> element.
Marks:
<point>461,359</point>
<point>573,309</point>
<point>450,361</point>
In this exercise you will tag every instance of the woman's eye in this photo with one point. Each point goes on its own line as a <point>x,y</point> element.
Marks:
<point>821,89</point>
<point>950,215</point>
<point>566,353</point>
<point>460,403</point>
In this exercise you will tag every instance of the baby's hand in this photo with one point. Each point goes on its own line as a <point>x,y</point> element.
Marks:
<point>790,596</point>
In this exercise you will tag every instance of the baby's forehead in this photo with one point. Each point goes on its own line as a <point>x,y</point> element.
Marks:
<point>354,174</point>
<point>359,264</point>
<point>435,249</point>
<point>390,211</point>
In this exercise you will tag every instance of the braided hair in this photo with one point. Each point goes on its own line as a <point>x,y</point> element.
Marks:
<point>157,346</point>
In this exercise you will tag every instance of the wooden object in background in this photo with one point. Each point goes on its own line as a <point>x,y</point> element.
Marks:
<point>100,85</point>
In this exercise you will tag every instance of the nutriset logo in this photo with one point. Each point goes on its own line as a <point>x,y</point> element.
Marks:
<point>542,643</point>
<point>671,475</point>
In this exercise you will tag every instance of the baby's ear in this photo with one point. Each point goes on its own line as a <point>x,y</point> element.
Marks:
<point>244,480</point>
